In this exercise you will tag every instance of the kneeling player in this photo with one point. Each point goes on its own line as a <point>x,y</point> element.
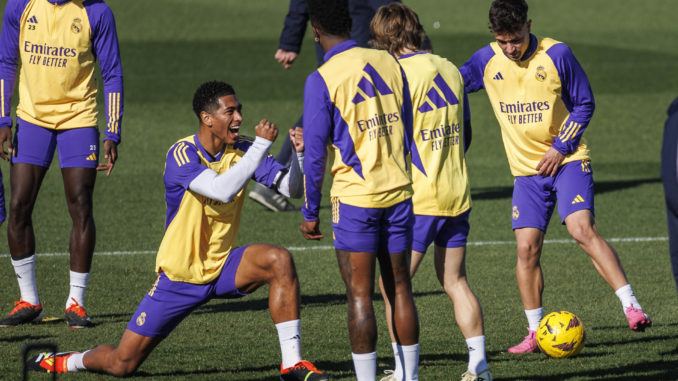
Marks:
<point>205,175</point>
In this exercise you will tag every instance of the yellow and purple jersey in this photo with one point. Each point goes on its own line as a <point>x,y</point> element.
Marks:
<point>542,101</point>
<point>440,184</point>
<point>58,43</point>
<point>357,104</point>
<point>200,232</point>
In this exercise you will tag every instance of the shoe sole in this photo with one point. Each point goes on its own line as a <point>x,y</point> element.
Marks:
<point>263,201</point>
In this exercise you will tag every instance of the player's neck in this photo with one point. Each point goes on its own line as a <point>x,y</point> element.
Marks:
<point>327,42</point>
<point>406,50</point>
<point>210,142</point>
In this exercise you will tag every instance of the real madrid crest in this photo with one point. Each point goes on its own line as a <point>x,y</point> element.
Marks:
<point>141,319</point>
<point>541,74</point>
<point>76,27</point>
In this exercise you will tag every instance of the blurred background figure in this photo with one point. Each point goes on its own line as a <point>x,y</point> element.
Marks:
<point>670,180</point>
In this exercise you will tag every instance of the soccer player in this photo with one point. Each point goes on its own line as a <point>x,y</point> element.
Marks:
<point>543,102</point>
<point>205,177</point>
<point>669,171</point>
<point>441,199</point>
<point>58,43</point>
<point>358,104</point>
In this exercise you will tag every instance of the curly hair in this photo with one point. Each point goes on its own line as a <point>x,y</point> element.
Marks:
<point>331,16</point>
<point>396,27</point>
<point>206,97</point>
<point>507,16</point>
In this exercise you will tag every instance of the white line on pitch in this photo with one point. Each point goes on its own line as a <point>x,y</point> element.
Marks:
<point>329,247</point>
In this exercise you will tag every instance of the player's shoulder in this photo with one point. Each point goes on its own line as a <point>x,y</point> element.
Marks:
<point>486,52</point>
<point>482,56</point>
<point>243,143</point>
<point>182,145</point>
<point>548,44</point>
<point>98,11</point>
<point>16,7</point>
<point>94,3</point>
<point>443,62</point>
<point>555,48</point>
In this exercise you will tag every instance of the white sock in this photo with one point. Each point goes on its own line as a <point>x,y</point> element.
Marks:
<point>74,363</point>
<point>534,317</point>
<point>365,365</point>
<point>289,335</point>
<point>25,275</point>
<point>78,287</point>
<point>626,297</point>
<point>477,361</point>
<point>410,362</point>
<point>398,358</point>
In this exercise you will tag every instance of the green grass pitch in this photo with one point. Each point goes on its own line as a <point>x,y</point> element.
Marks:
<point>169,47</point>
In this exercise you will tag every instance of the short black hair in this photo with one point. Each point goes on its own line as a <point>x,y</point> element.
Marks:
<point>507,16</point>
<point>331,16</point>
<point>206,98</point>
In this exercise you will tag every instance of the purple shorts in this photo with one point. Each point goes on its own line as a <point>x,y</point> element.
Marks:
<point>372,230</point>
<point>534,197</point>
<point>169,302</point>
<point>446,232</point>
<point>77,147</point>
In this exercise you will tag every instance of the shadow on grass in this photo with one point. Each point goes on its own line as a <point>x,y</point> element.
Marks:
<point>653,370</point>
<point>492,193</point>
<point>325,366</point>
<point>26,338</point>
<point>306,301</point>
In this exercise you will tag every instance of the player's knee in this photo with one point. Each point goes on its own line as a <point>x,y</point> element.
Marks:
<point>455,285</point>
<point>582,233</point>
<point>361,293</point>
<point>19,209</point>
<point>528,251</point>
<point>80,206</point>
<point>122,368</point>
<point>280,261</point>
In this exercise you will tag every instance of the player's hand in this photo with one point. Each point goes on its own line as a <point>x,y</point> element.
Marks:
<point>6,137</point>
<point>311,230</point>
<point>285,57</point>
<point>297,139</point>
<point>111,155</point>
<point>548,165</point>
<point>266,130</point>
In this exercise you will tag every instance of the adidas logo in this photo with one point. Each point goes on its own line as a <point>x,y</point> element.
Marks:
<point>92,157</point>
<point>498,76</point>
<point>577,200</point>
<point>435,98</point>
<point>370,89</point>
<point>33,20</point>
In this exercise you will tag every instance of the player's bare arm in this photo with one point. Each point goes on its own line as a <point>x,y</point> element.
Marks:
<point>5,137</point>
<point>111,155</point>
<point>548,165</point>
<point>311,230</point>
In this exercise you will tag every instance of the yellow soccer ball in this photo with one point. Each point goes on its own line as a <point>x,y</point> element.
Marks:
<point>561,334</point>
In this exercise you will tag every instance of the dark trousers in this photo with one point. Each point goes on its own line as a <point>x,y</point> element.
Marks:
<point>670,180</point>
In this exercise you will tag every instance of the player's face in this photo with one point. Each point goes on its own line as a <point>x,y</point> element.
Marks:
<point>514,44</point>
<point>227,118</point>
